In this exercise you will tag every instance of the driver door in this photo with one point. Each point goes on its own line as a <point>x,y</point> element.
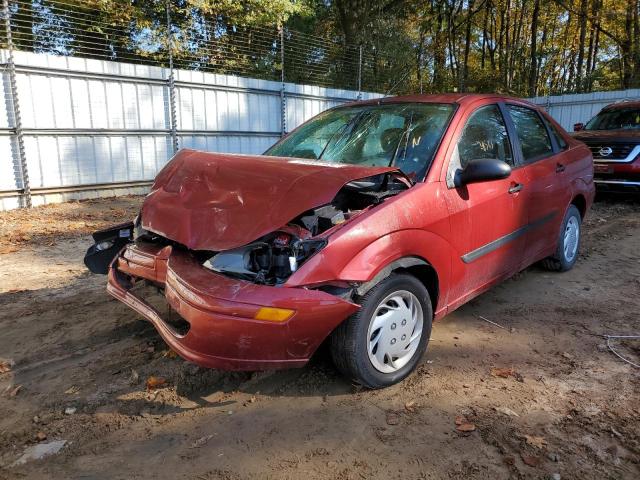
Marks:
<point>488,219</point>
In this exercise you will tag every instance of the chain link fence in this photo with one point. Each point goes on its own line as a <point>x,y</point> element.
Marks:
<point>189,39</point>
<point>177,40</point>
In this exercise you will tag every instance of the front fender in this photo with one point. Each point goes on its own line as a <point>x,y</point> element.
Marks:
<point>433,249</point>
<point>373,258</point>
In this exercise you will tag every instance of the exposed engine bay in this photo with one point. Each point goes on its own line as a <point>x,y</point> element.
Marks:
<point>271,259</point>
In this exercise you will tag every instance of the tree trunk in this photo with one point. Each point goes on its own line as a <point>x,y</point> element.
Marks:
<point>467,47</point>
<point>533,53</point>
<point>584,5</point>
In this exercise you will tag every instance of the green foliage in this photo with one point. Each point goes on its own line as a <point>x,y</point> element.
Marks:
<point>521,47</point>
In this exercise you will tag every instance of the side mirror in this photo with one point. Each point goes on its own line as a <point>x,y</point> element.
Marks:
<point>578,126</point>
<point>482,170</point>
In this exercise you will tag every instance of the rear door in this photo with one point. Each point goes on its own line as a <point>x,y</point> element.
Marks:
<point>549,190</point>
<point>487,218</point>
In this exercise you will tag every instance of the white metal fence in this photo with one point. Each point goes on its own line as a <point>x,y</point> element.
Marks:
<point>571,109</point>
<point>92,126</point>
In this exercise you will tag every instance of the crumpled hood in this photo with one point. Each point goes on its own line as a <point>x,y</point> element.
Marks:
<point>209,201</point>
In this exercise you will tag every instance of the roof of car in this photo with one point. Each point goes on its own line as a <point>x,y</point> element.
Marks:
<point>623,104</point>
<point>459,98</point>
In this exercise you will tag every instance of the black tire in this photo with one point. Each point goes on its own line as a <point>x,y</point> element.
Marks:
<point>349,342</point>
<point>559,262</point>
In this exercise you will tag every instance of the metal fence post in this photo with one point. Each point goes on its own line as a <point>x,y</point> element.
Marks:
<point>360,72</point>
<point>172,84</point>
<point>17,118</point>
<point>283,98</point>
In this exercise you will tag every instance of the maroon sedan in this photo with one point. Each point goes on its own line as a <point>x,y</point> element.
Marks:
<point>362,226</point>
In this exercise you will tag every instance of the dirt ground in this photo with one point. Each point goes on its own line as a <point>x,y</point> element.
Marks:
<point>76,365</point>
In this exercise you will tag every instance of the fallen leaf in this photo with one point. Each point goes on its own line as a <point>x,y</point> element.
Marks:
<point>170,354</point>
<point>502,372</point>
<point>15,390</point>
<point>460,420</point>
<point>530,460</point>
<point>466,427</point>
<point>506,373</point>
<point>5,366</point>
<point>155,382</point>
<point>201,441</point>
<point>393,418</point>
<point>72,390</point>
<point>538,442</point>
<point>507,411</point>
<point>411,406</point>
<point>40,436</point>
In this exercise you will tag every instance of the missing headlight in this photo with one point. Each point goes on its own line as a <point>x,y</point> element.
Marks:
<point>269,261</point>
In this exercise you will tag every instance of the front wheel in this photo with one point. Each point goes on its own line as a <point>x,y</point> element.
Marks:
<point>382,343</point>
<point>568,246</point>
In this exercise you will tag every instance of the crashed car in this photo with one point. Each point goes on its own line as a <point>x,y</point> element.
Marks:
<point>360,227</point>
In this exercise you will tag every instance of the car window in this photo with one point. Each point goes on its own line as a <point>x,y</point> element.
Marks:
<point>485,136</point>
<point>615,119</point>
<point>384,136</point>
<point>404,135</point>
<point>415,154</point>
<point>313,137</point>
<point>532,134</point>
<point>558,136</point>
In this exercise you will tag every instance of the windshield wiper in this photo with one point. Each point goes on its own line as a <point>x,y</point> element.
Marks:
<point>350,125</point>
<point>404,137</point>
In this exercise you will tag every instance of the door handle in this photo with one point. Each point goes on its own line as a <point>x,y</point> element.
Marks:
<point>560,168</point>
<point>516,188</point>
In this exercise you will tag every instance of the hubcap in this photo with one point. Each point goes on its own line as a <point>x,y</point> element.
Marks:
<point>571,237</point>
<point>394,331</point>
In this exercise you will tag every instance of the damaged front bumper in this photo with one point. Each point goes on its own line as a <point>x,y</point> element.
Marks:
<point>221,329</point>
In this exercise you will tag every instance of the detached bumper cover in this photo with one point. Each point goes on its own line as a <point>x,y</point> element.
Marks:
<point>220,311</point>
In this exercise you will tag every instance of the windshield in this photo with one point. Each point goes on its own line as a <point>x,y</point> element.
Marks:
<point>615,119</point>
<point>403,135</point>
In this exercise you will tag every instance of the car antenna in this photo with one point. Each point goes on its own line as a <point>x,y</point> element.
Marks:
<point>396,84</point>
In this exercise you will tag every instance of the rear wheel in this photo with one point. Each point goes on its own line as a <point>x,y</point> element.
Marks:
<point>568,243</point>
<point>382,343</point>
